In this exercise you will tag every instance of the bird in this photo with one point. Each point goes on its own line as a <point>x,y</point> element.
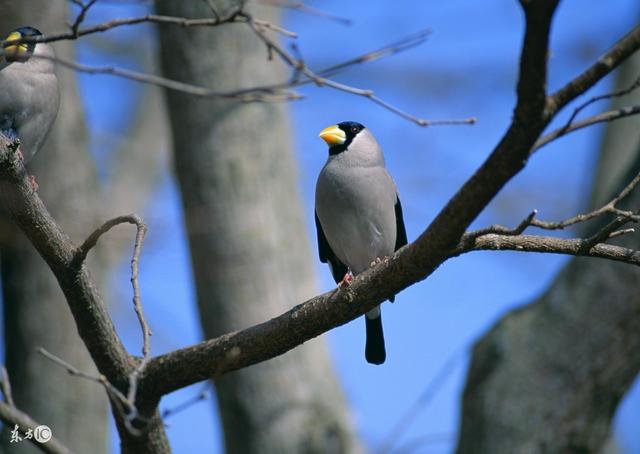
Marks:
<point>358,215</point>
<point>29,92</point>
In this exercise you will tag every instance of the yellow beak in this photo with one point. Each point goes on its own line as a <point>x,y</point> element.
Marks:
<point>333,135</point>
<point>15,51</point>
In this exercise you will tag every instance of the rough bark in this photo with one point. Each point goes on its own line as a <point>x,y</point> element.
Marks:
<point>250,253</point>
<point>35,311</point>
<point>548,377</point>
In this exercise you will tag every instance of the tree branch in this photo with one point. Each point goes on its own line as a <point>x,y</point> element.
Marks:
<point>603,117</point>
<point>28,211</point>
<point>443,239</point>
<point>11,416</point>
<point>605,64</point>
<point>549,245</point>
<point>92,320</point>
<point>277,92</point>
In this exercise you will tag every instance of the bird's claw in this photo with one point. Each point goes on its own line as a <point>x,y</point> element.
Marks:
<point>346,280</point>
<point>377,261</point>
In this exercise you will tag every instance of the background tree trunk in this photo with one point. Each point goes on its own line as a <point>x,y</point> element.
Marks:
<point>250,253</point>
<point>548,377</point>
<point>35,311</point>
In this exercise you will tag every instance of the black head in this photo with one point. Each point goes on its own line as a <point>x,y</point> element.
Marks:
<point>23,51</point>
<point>340,136</point>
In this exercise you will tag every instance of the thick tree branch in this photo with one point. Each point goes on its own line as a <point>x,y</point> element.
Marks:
<point>411,264</point>
<point>28,211</point>
<point>92,320</point>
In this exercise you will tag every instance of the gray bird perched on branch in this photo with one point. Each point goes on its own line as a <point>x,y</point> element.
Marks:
<point>358,214</point>
<point>29,95</point>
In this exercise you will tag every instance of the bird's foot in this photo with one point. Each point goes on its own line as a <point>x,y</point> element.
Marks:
<point>346,280</point>
<point>377,261</point>
<point>34,183</point>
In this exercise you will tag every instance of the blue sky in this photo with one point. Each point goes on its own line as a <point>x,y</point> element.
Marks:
<point>466,68</point>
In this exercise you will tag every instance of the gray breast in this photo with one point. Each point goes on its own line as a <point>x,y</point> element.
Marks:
<point>29,101</point>
<point>355,206</point>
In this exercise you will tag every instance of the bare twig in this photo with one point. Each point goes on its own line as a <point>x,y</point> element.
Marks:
<point>212,8</point>
<point>125,405</point>
<point>616,94</point>
<point>408,42</point>
<point>116,23</point>
<point>299,66</point>
<point>609,207</point>
<point>12,417</point>
<point>600,118</point>
<point>141,230</point>
<point>276,92</point>
<point>81,255</point>
<point>204,394</point>
<point>276,28</point>
<point>256,94</point>
<point>443,238</point>
<point>84,9</point>
<point>299,6</point>
<point>499,229</point>
<point>72,370</point>
<point>605,64</point>
<point>609,231</point>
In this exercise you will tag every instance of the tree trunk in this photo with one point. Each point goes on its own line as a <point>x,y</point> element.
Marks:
<point>35,311</point>
<point>548,377</point>
<point>247,234</point>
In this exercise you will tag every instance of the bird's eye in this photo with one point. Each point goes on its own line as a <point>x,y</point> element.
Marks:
<point>354,129</point>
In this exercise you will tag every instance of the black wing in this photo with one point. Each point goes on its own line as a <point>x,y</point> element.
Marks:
<point>338,269</point>
<point>401,232</point>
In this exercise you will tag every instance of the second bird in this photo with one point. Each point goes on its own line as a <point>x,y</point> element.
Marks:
<point>358,214</point>
<point>29,94</point>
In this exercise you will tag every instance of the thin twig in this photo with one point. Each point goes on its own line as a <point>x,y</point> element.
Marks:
<point>600,118</point>
<point>71,370</point>
<point>275,28</point>
<point>115,23</point>
<point>276,92</point>
<point>605,233</point>
<point>81,255</point>
<point>609,207</point>
<point>502,230</point>
<point>12,417</point>
<point>212,8</point>
<point>617,94</point>
<point>408,42</point>
<point>84,9</point>
<point>299,65</point>
<point>204,393</point>
<point>299,6</point>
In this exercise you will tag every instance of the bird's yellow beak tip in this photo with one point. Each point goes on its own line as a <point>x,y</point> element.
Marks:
<point>333,135</point>
<point>14,51</point>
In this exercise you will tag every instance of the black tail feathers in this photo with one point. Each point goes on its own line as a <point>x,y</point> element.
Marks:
<point>374,350</point>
